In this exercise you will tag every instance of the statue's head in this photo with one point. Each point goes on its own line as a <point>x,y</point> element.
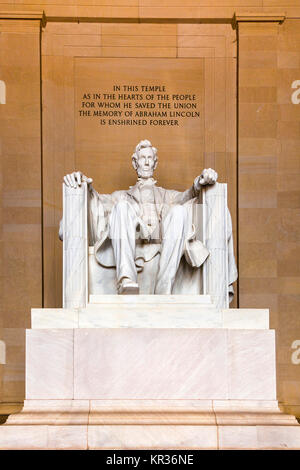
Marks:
<point>144,159</point>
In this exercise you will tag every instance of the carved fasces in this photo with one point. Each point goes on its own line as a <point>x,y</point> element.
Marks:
<point>215,269</point>
<point>75,246</point>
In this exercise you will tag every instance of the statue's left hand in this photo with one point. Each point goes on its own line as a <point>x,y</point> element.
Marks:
<point>208,176</point>
<point>76,179</point>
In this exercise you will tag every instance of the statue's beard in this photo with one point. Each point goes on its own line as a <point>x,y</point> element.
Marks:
<point>145,173</point>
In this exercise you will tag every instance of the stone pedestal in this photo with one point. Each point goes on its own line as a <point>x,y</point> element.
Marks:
<point>150,372</point>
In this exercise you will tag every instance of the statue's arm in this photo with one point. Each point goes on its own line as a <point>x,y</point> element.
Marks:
<point>99,209</point>
<point>178,197</point>
<point>208,176</point>
<point>76,179</point>
<point>99,205</point>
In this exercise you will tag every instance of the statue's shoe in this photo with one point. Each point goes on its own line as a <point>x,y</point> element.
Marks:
<point>128,287</point>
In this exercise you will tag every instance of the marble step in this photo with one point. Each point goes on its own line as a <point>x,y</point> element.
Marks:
<point>150,424</point>
<point>142,313</point>
<point>166,300</point>
<point>152,412</point>
<point>149,437</point>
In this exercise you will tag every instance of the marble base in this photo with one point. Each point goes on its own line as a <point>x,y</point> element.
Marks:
<point>150,372</point>
<point>150,363</point>
<point>150,424</point>
<point>148,311</point>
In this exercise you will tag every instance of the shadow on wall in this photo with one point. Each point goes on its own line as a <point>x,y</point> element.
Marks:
<point>3,418</point>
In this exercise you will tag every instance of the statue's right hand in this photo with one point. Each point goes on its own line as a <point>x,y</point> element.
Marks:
<point>76,178</point>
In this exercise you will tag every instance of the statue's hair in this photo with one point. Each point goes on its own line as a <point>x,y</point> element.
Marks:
<point>141,145</point>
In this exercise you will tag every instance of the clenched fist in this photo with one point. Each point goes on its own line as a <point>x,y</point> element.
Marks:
<point>208,176</point>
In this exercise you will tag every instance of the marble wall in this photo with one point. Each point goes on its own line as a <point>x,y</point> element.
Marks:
<point>263,176</point>
<point>269,186</point>
<point>20,189</point>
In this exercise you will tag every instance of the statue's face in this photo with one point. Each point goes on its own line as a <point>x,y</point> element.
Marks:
<point>145,164</point>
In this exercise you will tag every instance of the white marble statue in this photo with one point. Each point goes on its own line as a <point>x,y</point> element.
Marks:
<point>129,228</point>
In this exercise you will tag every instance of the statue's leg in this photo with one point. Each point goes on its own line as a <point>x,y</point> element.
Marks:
<point>122,223</point>
<point>174,232</point>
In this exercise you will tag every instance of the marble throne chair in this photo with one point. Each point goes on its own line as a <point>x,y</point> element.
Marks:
<point>83,276</point>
